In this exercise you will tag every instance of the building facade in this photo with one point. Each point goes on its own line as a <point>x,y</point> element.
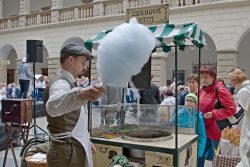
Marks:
<point>226,24</point>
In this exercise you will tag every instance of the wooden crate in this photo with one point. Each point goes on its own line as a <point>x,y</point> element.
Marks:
<point>17,111</point>
<point>158,159</point>
<point>103,152</point>
<point>187,157</point>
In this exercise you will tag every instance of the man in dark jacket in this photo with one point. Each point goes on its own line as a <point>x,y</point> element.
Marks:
<point>149,96</point>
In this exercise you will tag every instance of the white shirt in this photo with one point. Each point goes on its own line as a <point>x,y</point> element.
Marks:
<point>170,100</point>
<point>243,96</point>
<point>3,93</point>
<point>63,99</point>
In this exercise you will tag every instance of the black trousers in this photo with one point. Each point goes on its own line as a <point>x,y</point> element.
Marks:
<point>24,88</point>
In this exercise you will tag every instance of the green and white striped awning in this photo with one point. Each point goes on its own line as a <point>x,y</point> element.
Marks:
<point>168,35</point>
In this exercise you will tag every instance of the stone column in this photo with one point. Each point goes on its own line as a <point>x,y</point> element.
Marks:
<point>3,73</point>
<point>24,7</point>
<point>98,8</point>
<point>23,10</point>
<point>18,62</point>
<point>159,68</point>
<point>53,66</point>
<point>55,14</point>
<point>226,60</point>
<point>93,68</point>
<point>125,5</point>
<point>76,13</point>
<point>1,9</point>
<point>93,64</point>
<point>57,4</point>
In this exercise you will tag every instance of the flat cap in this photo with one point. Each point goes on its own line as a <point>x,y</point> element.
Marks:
<point>75,50</point>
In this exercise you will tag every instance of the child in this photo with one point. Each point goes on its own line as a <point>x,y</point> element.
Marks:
<point>187,118</point>
<point>192,80</point>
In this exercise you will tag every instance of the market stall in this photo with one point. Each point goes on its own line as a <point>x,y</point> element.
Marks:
<point>180,147</point>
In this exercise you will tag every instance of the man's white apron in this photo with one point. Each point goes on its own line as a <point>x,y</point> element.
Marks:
<point>81,134</point>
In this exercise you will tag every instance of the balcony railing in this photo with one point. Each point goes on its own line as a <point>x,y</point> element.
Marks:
<point>14,22</point>
<point>67,14</point>
<point>4,24</point>
<point>113,7</point>
<point>85,11</point>
<point>188,2</point>
<point>45,17</point>
<point>178,3</point>
<point>101,8</point>
<point>77,12</point>
<point>38,18</point>
<point>137,3</point>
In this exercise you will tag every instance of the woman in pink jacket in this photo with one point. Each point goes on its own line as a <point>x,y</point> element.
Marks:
<point>208,99</point>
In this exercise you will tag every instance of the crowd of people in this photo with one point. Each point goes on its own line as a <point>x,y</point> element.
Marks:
<point>23,91</point>
<point>216,102</point>
<point>12,91</point>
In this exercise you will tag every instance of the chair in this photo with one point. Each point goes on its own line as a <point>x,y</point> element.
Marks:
<point>39,95</point>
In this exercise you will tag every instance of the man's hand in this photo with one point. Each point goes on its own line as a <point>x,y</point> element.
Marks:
<point>208,115</point>
<point>93,148</point>
<point>92,93</point>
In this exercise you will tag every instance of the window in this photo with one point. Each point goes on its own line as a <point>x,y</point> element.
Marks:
<point>195,67</point>
<point>180,76</point>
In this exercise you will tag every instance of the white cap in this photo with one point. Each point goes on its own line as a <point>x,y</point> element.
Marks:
<point>24,60</point>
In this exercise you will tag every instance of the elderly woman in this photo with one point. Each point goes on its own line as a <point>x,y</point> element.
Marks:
<point>208,99</point>
<point>239,80</point>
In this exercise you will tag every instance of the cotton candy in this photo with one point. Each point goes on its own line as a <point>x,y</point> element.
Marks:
<point>123,52</point>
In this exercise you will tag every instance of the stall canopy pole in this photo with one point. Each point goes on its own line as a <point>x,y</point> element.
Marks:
<point>199,79</point>
<point>176,99</point>
<point>89,103</point>
<point>176,102</point>
<point>198,105</point>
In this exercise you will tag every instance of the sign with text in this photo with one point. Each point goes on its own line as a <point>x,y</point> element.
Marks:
<point>154,14</point>
<point>5,62</point>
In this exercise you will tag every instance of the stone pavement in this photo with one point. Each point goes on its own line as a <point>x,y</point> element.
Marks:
<point>41,122</point>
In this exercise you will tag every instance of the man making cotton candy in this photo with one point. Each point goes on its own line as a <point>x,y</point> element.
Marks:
<point>66,111</point>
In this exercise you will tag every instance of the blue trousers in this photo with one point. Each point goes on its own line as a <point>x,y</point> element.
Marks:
<point>210,145</point>
<point>210,154</point>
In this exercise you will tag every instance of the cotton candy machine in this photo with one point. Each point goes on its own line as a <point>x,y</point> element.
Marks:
<point>144,133</point>
<point>147,135</point>
<point>142,124</point>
